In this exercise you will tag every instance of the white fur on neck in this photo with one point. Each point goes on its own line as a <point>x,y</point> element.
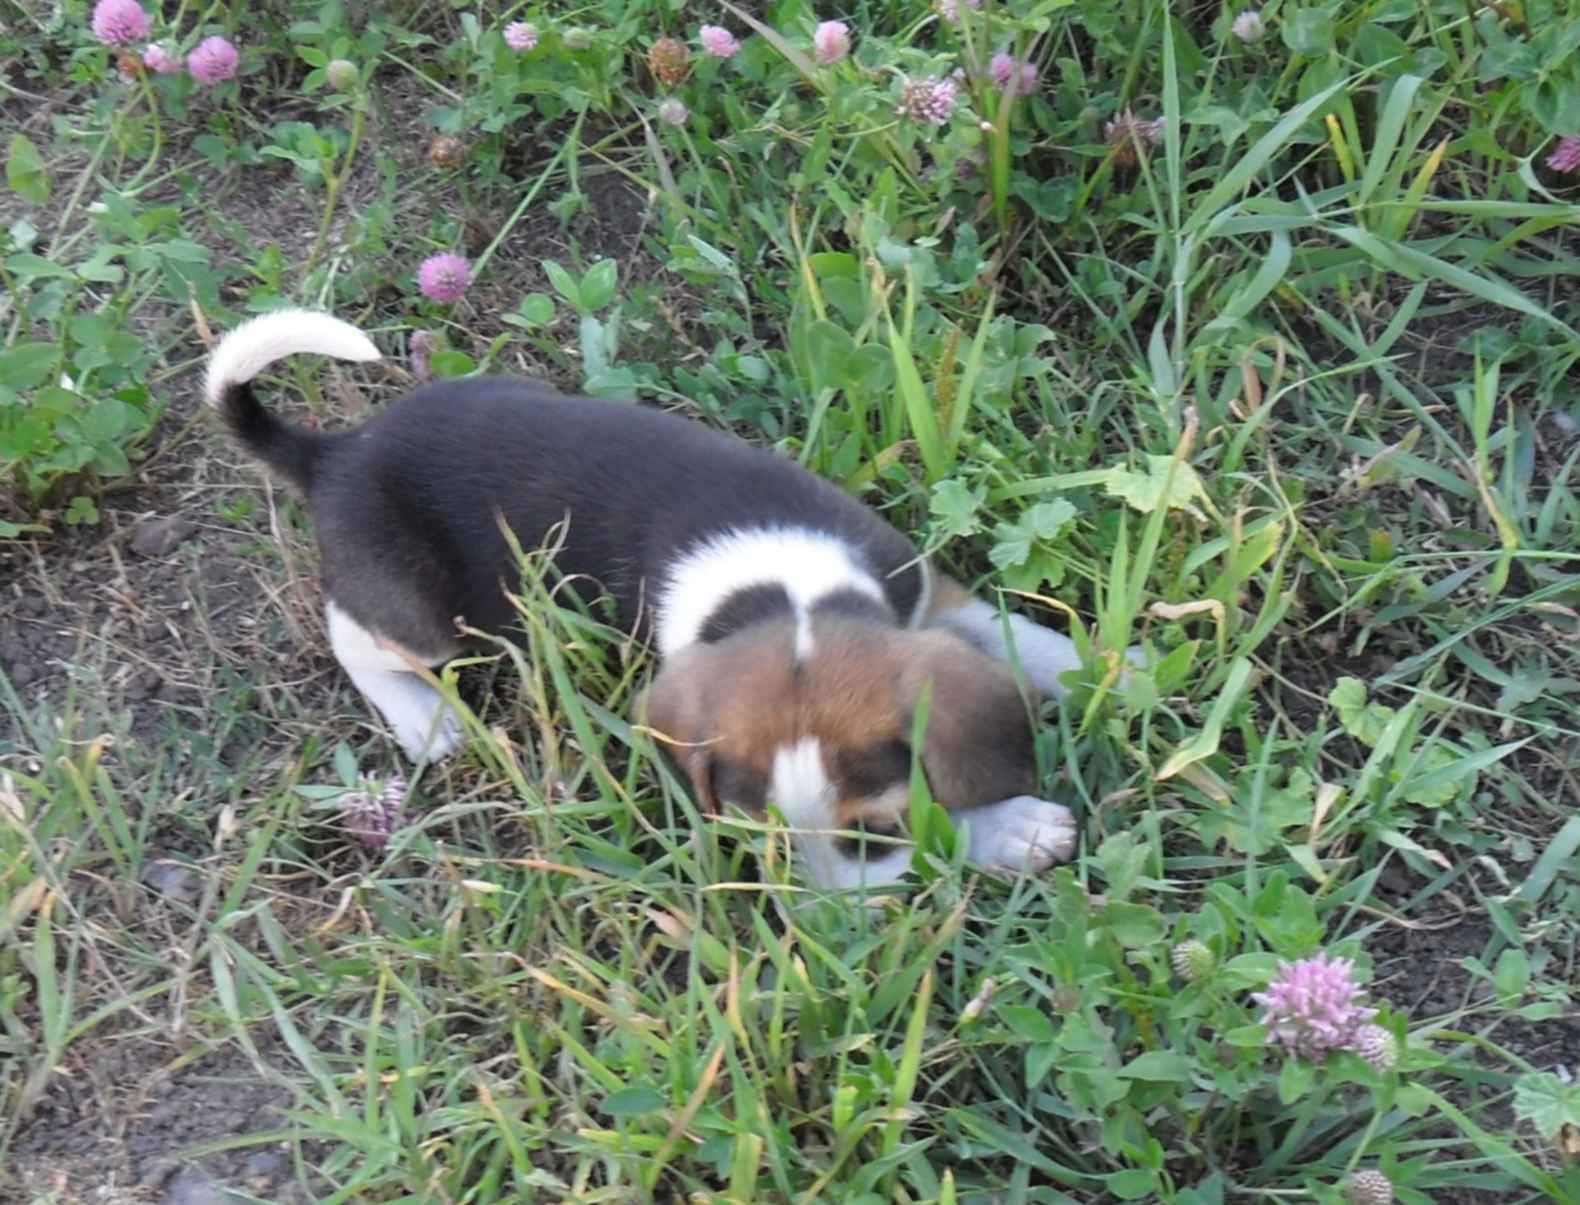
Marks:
<point>809,565</point>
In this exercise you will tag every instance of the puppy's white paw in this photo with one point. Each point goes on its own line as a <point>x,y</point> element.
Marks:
<point>432,738</point>
<point>829,866</point>
<point>1020,833</point>
<point>422,723</point>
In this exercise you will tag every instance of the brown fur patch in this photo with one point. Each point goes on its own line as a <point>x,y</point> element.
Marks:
<point>728,708</point>
<point>948,596</point>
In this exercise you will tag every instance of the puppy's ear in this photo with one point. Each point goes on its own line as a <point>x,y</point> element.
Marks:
<point>979,746</point>
<point>678,707</point>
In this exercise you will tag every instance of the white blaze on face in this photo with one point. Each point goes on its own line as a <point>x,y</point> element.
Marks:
<point>800,786</point>
<point>804,793</point>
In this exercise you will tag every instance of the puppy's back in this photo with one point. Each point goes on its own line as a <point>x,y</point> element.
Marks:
<point>424,486</point>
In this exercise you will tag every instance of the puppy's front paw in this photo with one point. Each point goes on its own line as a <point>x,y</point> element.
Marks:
<point>1020,833</point>
<point>431,738</point>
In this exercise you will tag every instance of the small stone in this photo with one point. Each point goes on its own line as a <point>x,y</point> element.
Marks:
<point>267,1165</point>
<point>155,1172</point>
<point>194,1186</point>
<point>159,537</point>
<point>172,879</point>
<point>145,686</point>
<point>1395,879</point>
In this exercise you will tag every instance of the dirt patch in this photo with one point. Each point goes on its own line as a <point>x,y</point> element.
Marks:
<point>126,1120</point>
<point>146,622</point>
<point>1421,973</point>
<point>1420,967</point>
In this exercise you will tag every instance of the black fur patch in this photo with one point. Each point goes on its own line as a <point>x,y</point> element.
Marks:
<point>903,589</point>
<point>854,847</point>
<point>289,451</point>
<point>407,506</point>
<point>737,784</point>
<point>743,608</point>
<point>852,604</point>
<point>862,773</point>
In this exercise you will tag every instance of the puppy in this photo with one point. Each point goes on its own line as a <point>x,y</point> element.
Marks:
<point>796,628</point>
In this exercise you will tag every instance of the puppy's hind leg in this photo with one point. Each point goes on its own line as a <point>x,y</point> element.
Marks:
<point>423,724</point>
<point>1044,655</point>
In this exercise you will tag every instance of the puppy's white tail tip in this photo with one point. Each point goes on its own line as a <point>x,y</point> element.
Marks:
<point>254,345</point>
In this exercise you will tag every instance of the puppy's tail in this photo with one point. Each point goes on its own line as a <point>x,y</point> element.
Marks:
<point>245,352</point>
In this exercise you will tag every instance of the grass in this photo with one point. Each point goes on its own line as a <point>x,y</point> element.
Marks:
<point>1285,395</point>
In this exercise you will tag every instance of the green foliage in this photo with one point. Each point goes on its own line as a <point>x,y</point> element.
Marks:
<point>1280,386</point>
<point>25,172</point>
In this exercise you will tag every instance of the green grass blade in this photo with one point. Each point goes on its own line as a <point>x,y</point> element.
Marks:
<point>1273,269</point>
<point>910,1065</point>
<point>917,406</point>
<point>1558,857</point>
<point>1414,264</point>
<point>975,358</point>
<point>1205,743</point>
<point>1396,111</point>
<point>1258,157</point>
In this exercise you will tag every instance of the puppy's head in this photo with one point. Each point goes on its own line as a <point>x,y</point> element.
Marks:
<point>825,735</point>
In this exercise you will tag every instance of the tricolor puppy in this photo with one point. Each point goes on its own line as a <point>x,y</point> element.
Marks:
<point>796,628</point>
